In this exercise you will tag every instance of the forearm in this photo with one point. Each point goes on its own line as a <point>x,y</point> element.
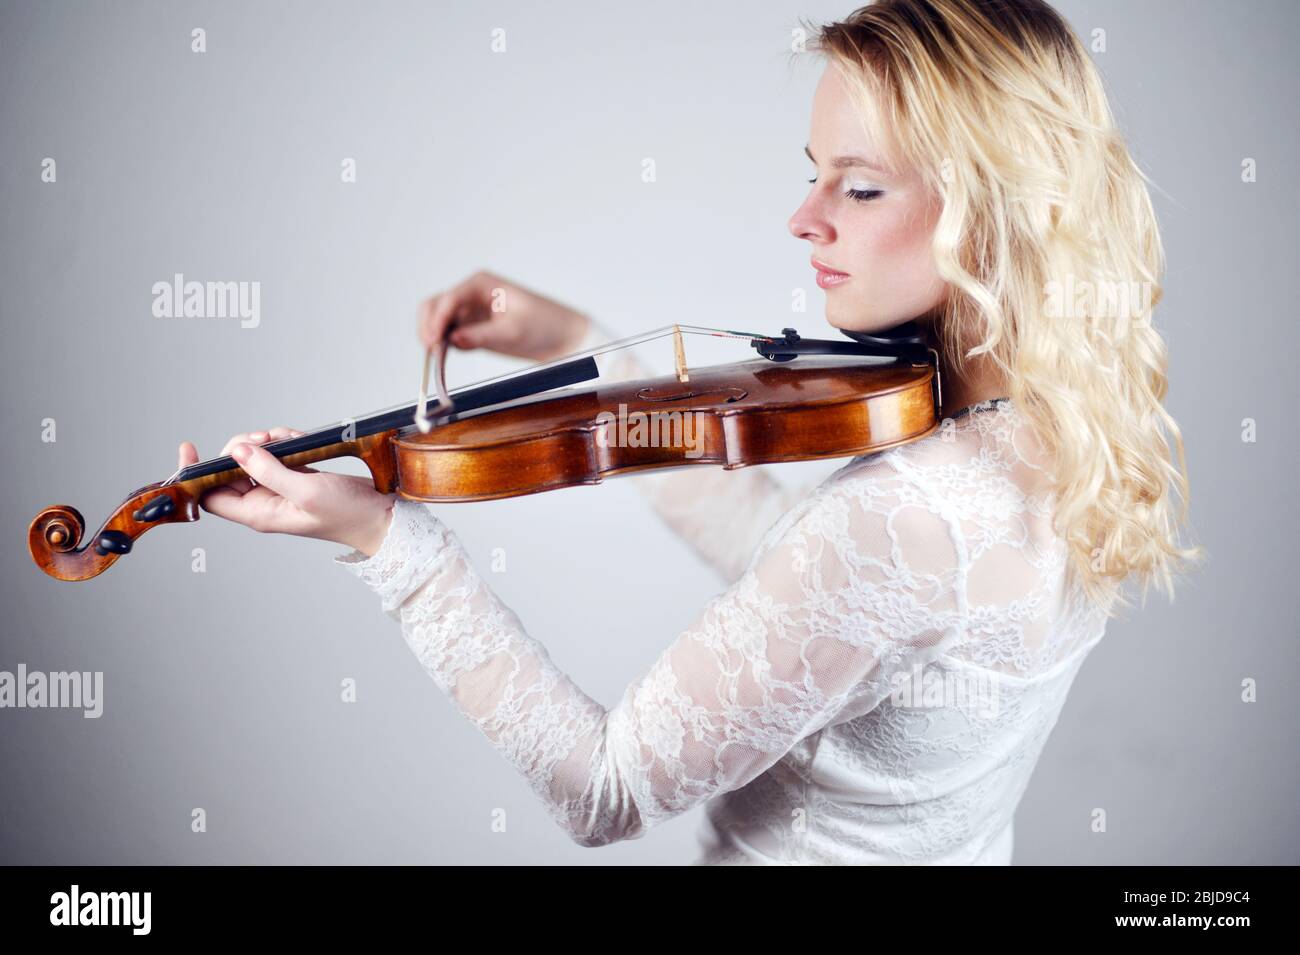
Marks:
<point>476,650</point>
<point>506,684</point>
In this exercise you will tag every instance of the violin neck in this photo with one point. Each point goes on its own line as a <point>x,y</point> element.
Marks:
<point>372,449</point>
<point>339,440</point>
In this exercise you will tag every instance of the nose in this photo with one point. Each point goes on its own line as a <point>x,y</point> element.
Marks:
<point>809,223</point>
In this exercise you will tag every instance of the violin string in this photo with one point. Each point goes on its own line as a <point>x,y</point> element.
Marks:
<point>611,346</point>
<point>604,349</point>
<point>616,345</point>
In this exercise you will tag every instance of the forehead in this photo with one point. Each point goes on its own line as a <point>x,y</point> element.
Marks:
<point>845,120</point>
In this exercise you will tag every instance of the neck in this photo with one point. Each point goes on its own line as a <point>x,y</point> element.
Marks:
<point>978,380</point>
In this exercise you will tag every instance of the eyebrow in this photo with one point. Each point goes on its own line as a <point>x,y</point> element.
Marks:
<point>849,162</point>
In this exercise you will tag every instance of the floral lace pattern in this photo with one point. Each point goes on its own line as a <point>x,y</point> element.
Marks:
<point>875,685</point>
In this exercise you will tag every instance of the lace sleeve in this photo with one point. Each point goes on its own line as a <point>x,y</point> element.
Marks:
<point>851,590</point>
<point>721,515</point>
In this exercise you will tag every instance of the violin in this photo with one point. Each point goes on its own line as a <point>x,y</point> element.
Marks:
<point>532,431</point>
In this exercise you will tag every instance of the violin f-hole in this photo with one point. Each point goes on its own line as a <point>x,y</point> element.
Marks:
<point>681,393</point>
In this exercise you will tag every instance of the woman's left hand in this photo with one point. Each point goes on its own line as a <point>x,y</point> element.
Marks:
<point>279,500</point>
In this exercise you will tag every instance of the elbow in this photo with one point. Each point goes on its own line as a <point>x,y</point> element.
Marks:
<point>596,802</point>
<point>591,829</point>
<point>604,837</point>
<point>594,838</point>
<point>589,840</point>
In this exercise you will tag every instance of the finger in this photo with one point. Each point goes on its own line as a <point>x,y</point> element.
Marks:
<point>257,508</point>
<point>441,312</point>
<point>280,433</point>
<point>240,438</point>
<point>265,468</point>
<point>437,315</point>
<point>257,437</point>
<point>239,483</point>
<point>186,455</point>
<point>244,484</point>
<point>493,335</point>
<point>224,502</point>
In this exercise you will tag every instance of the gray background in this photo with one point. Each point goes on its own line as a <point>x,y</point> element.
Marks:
<point>222,689</point>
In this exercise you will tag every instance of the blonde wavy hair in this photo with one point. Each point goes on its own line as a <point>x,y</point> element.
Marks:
<point>1048,242</point>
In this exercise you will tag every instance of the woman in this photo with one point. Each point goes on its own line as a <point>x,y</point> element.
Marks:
<point>877,682</point>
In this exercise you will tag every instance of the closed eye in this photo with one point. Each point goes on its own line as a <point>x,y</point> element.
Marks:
<point>858,195</point>
<point>864,195</point>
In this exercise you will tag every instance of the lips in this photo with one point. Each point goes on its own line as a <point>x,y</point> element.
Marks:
<point>828,277</point>
<point>823,267</point>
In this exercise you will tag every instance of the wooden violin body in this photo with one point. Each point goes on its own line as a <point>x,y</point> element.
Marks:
<point>732,416</point>
<point>524,437</point>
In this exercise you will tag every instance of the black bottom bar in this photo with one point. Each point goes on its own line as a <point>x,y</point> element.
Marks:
<point>925,906</point>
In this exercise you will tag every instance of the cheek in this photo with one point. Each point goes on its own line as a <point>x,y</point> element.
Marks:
<point>900,280</point>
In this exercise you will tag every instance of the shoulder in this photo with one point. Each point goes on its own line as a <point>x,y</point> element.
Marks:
<point>911,544</point>
<point>988,459</point>
<point>924,509</point>
<point>867,561</point>
<point>873,539</point>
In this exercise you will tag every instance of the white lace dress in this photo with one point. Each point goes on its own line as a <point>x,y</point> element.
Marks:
<point>874,686</point>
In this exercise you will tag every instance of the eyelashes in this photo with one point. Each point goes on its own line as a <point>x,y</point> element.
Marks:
<point>858,195</point>
<point>864,195</point>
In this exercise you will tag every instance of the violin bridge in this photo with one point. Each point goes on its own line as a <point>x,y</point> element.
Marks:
<point>679,354</point>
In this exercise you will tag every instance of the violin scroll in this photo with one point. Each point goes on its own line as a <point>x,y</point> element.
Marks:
<point>59,528</point>
<point>55,536</point>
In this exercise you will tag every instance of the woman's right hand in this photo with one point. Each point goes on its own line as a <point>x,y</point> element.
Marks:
<point>487,311</point>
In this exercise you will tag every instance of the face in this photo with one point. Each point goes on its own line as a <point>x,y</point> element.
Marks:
<point>865,218</point>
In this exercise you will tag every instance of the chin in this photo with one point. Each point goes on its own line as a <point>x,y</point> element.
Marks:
<point>851,320</point>
<point>849,316</point>
<point>844,316</point>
